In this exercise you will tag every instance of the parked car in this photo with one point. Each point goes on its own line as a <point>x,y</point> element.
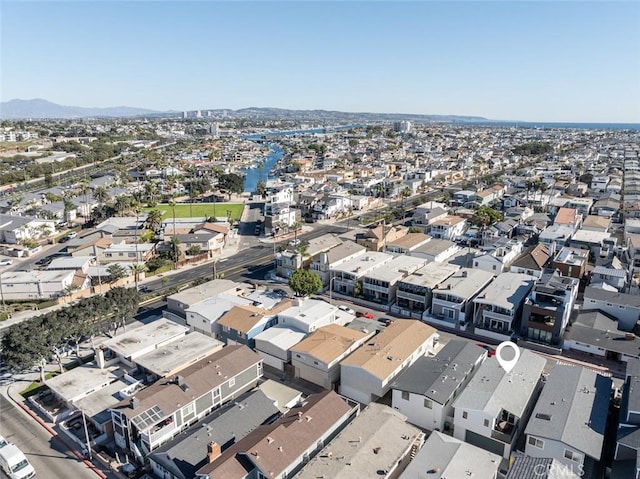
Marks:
<point>72,234</point>
<point>6,262</point>
<point>490,351</point>
<point>144,289</point>
<point>364,314</point>
<point>346,309</point>
<point>294,242</point>
<point>386,321</point>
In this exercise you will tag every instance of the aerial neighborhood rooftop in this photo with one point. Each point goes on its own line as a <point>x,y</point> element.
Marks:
<point>328,302</point>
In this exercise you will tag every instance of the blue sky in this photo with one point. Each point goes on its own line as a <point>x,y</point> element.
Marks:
<point>529,61</point>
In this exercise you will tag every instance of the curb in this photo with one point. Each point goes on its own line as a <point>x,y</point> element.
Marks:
<point>53,433</point>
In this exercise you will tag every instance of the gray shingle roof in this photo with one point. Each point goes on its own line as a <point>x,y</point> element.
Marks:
<point>612,297</point>
<point>539,468</point>
<point>187,453</point>
<point>438,377</point>
<point>492,389</point>
<point>572,409</point>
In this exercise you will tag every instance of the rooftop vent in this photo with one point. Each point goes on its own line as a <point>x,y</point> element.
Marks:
<point>544,417</point>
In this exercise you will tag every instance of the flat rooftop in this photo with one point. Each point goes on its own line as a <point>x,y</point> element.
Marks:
<point>179,353</point>
<point>375,440</point>
<point>134,340</point>
<point>364,263</point>
<point>75,384</point>
<point>431,275</point>
<point>507,290</point>
<point>397,268</point>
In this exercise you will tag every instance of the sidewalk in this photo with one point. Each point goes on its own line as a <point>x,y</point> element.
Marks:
<point>106,463</point>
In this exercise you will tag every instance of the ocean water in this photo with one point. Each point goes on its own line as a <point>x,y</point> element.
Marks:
<point>557,125</point>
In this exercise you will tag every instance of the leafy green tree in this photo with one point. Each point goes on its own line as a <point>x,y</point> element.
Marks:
<point>485,216</point>
<point>305,282</point>
<point>116,271</point>
<point>231,183</point>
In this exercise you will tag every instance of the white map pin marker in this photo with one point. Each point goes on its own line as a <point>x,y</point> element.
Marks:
<point>507,364</point>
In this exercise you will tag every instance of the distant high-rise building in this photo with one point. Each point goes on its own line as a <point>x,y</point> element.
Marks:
<point>209,113</point>
<point>402,126</point>
<point>185,114</point>
<point>198,114</point>
<point>213,129</point>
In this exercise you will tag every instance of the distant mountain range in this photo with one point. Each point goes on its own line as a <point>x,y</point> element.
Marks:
<point>44,109</point>
<point>41,109</point>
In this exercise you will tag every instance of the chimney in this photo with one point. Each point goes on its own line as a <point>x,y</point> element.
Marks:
<point>134,402</point>
<point>213,451</point>
<point>180,381</point>
<point>100,357</point>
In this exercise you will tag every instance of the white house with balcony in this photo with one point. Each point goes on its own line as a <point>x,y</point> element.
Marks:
<point>415,291</point>
<point>499,307</point>
<point>380,284</point>
<point>495,406</point>
<point>448,227</point>
<point>347,277</point>
<point>452,300</point>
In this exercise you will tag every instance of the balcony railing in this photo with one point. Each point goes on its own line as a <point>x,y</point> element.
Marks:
<point>503,432</point>
<point>157,433</point>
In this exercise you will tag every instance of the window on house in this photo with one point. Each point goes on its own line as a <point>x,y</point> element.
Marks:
<point>486,423</point>
<point>464,414</point>
<point>428,403</point>
<point>232,382</point>
<point>572,456</point>
<point>535,442</point>
<point>494,267</point>
<point>405,395</point>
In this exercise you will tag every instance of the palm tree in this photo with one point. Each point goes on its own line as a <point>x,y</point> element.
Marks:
<point>137,269</point>
<point>100,194</point>
<point>154,220</point>
<point>172,203</point>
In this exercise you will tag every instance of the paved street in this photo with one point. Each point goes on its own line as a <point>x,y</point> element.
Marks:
<point>50,457</point>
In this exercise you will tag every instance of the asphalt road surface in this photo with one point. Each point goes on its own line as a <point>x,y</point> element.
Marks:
<point>49,456</point>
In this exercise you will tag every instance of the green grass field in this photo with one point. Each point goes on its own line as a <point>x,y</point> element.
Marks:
<point>196,210</point>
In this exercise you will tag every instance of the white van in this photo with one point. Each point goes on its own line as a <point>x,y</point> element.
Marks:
<point>14,463</point>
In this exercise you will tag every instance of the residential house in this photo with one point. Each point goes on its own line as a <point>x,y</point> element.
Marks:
<point>204,315</point>
<point>570,217</point>
<point>569,420</point>
<point>499,307</point>
<point>571,262</point>
<point>425,214</point>
<point>287,263</point>
<point>196,243</point>
<point>436,250</point>
<point>379,285</point>
<point>347,276</point>
<point>274,345</point>
<point>368,373</point>
<point>624,307</point>
<point>532,261</point>
<point>139,252</point>
<point>183,456</point>
<point>596,223</point>
<point>497,258</point>
<point>548,308</point>
<point>613,274</point>
<point>376,239</point>
<point>492,411</point>
<point>627,451</point>
<point>448,228</point>
<point>414,292</point>
<point>597,334</point>
<point>281,449</point>
<point>445,457</point>
<point>36,284</point>
<point>241,324</point>
<point>179,303</point>
<point>606,206</point>
<point>452,302</point>
<point>330,260</point>
<point>384,445</point>
<point>560,234</point>
<point>599,243</point>
<point>408,243</point>
<point>317,357</point>
<point>14,229</point>
<point>161,411</point>
<point>425,392</point>
<point>307,315</point>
